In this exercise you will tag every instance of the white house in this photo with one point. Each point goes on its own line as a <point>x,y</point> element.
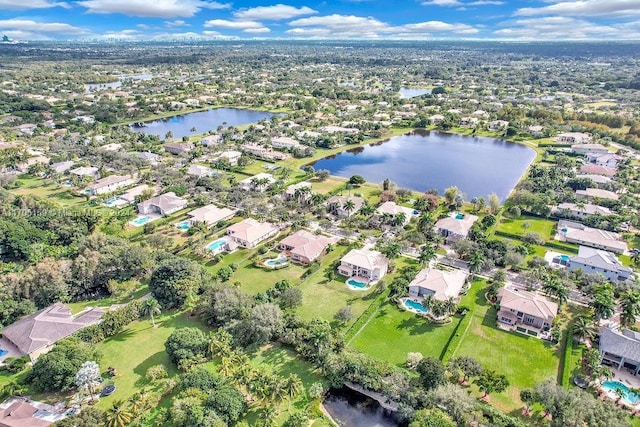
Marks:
<point>439,283</point>
<point>130,195</point>
<point>591,260</point>
<point>110,183</point>
<point>574,232</point>
<point>164,204</point>
<point>589,148</point>
<point>574,138</point>
<point>199,171</point>
<point>211,140</point>
<point>231,156</point>
<point>365,264</point>
<point>249,233</point>
<point>455,226</point>
<point>575,211</point>
<point>337,204</point>
<point>60,167</point>
<point>258,182</point>
<point>82,171</point>
<point>392,209</point>
<point>526,312</point>
<point>596,193</point>
<point>210,214</point>
<point>294,191</point>
<point>305,247</point>
<point>285,142</point>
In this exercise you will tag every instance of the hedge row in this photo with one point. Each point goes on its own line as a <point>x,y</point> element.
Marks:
<point>113,322</point>
<point>364,317</point>
<point>555,245</point>
<point>456,337</point>
<point>566,357</point>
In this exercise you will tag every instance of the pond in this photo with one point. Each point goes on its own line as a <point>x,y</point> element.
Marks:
<point>203,121</point>
<point>423,160</point>
<point>352,409</point>
<point>408,92</point>
<point>93,87</point>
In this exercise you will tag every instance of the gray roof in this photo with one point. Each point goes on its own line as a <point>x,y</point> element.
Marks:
<point>598,258</point>
<point>47,326</point>
<point>625,344</point>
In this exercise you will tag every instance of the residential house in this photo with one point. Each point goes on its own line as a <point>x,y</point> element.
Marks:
<point>32,161</point>
<point>130,195</point>
<point>339,129</point>
<point>178,148</point>
<point>20,413</point>
<point>608,160</point>
<point>594,169</point>
<point>498,125</point>
<point>61,167</point>
<point>249,233</point>
<point>36,334</point>
<point>574,138</point>
<point>305,247</point>
<point>210,214</point>
<point>436,118</point>
<point>469,122</point>
<point>591,260</point>
<point>527,312</point>
<point>286,143</point>
<point>211,140</point>
<point>164,204</point>
<point>575,211</point>
<point>620,348</point>
<point>596,193</point>
<point>364,264</point>
<point>599,180</point>
<point>589,149</point>
<point>299,191</point>
<point>27,128</point>
<point>88,171</point>
<point>442,285</point>
<point>263,152</point>
<point>231,156</point>
<point>259,182</point>
<point>392,210</point>
<point>536,131</point>
<point>199,171</point>
<point>110,183</point>
<point>573,232</point>
<point>337,204</point>
<point>111,147</point>
<point>455,226</point>
<point>151,158</point>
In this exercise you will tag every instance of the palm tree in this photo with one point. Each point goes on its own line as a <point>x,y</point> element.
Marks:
<point>118,415</point>
<point>584,328</point>
<point>630,304</point>
<point>293,387</point>
<point>220,342</point>
<point>348,206</point>
<point>476,262</point>
<point>450,305</point>
<point>151,307</point>
<point>13,388</point>
<point>427,253</point>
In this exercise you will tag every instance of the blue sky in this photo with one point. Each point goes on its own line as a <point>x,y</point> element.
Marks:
<point>342,19</point>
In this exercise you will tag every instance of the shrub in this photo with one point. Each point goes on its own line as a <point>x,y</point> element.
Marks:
<point>186,343</point>
<point>156,372</point>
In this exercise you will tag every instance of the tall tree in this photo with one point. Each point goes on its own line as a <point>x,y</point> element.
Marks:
<point>151,307</point>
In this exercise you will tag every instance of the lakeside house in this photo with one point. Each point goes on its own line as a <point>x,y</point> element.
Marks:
<point>574,138</point>
<point>249,233</point>
<point>574,232</point>
<point>441,284</point>
<point>608,160</point>
<point>336,205</point>
<point>498,125</point>
<point>263,152</point>
<point>259,182</point>
<point>596,193</point>
<point>365,264</point>
<point>394,210</point>
<point>620,348</point>
<point>300,191</point>
<point>231,156</point>
<point>211,140</point>
<point>286,143</point>
<point>577,211</point>
<point>591,260</point>
<point>589,149</point>
<point>110,183</point>
<point>526,312</point>
<point>152,158</point>
<point>455,226</point>
<point>36,334</point>
<point>164,204</point>
<point>210,214</point>
<point>178,148</point>
<point>305,247</point>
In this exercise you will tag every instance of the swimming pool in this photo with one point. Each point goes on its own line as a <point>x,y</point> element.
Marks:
<point>276,261</point>
<point>216,245</point>
<point>415,306</point>
<point>141,220</point>
<point>112,202</point>
<point>615,387</point>
<point>564,258</point>
<point>3,352</point>
<point>356,284</point>
<point>460,216</point>
<point>183,225</point>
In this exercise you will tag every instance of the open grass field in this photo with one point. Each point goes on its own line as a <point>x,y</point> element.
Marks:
<point>328,185</point>
<point>521,226</point>
<point>34,186</point>
<point>256,279</point>
<point>137,348</point>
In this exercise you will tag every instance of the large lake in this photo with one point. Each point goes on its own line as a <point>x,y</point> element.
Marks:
<point>202,121</point>
<point>422,160</point>
<point>351,409</point>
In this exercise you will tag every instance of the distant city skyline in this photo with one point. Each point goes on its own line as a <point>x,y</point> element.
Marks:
<point>527,20</point>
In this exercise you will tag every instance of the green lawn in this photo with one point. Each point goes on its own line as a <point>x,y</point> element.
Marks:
<point>137,348</point>
<point>46,189</point>
<point>77,307</point>
<point>256,279</point>
<point>392,333</point>
<point>523,225</point>
<point>326,186</point>
<point>525,361</point>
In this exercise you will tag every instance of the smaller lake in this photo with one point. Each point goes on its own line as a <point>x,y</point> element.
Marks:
<point>95,87</point>
<point>422,160</point>
<point>351,409</point>
<point>203,121</point>
<point>407,92</point>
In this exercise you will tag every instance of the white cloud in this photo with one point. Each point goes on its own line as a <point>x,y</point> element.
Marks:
<point>445,3</point>
<point>585,8</point>
<point>54,28</point>
<point>461,5</point>
<point>566,28</point>
<point>176,23</point>
<point>273,13</point>
<point>257,30</point>
<point>232,25</point>
<point>439,26</point>
<point>31,4</point>
<point>151,9</point>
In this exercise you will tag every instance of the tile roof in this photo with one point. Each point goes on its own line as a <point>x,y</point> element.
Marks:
<point>527,302</point>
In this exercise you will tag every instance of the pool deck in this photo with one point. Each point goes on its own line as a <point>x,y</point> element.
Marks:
<point>625,378</point>
<point>361,280</point>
